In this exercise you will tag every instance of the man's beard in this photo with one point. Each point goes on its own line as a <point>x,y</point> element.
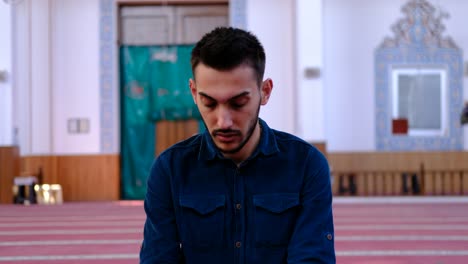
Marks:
<point>250,131</point>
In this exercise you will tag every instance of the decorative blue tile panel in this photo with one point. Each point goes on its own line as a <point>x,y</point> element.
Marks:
<point>238,13</point>
<point>418,42</point>
<point>108,87</point>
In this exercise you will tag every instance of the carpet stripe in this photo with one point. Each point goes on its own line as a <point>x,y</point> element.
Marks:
<point>400,200</point>
<point>403,253</point>
<point>74,218</point>
<point>401,238</point>
<point>70,257</point>
<point>402,227</point>
<point>68,224</point>
<point>71,232</point>
<point>70,242</point>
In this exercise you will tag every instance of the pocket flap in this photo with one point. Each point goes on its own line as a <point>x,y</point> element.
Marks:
<point>203,204</point>
<point>276,202</point>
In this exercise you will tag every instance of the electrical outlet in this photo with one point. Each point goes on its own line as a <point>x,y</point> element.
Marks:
<point>78,125</point>
<point>72,126</point>
<point>83,125</point>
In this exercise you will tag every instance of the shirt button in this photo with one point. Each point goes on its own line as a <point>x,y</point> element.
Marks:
<point>238,206</point>
<point>238,244</point>
<point>329,237</point>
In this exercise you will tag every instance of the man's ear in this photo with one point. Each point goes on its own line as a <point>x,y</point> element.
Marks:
<point>193,90</point>
<point>267,87</point>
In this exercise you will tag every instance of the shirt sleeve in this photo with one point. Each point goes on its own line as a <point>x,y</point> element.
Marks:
<point>313,238</point>
<point>160,236</point>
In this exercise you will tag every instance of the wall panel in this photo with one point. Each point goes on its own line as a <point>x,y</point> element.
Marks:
<point>9,168</point>
<point>83,177</point>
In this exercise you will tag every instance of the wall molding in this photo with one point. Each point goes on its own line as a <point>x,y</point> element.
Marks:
<point>82,177</point>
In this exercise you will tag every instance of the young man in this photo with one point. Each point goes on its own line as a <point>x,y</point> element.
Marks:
<point>240,192</point>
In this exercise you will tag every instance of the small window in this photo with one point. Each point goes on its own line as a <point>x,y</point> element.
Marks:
<point>419,97</point>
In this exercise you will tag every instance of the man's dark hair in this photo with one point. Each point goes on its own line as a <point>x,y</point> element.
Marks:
<point>225,48</point>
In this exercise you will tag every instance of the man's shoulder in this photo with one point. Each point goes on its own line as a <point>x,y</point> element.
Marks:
<point>287,138</point>
<point>294,144</point>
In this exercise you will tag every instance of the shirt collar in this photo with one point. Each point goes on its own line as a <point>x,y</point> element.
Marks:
<point>266,146</point>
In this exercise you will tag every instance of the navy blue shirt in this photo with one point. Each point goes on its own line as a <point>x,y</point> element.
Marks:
<point>275,207</point>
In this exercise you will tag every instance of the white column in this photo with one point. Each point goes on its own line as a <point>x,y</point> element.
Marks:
<point>21,74</point>
<point>31,75</point>
<point>41,72</point>
<point>6,123</point>
<point>310,100</point>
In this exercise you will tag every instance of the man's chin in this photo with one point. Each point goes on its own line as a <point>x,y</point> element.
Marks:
<point>228,148</point>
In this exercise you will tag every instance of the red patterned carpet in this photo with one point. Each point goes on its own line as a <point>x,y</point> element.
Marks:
<point>368,230</point>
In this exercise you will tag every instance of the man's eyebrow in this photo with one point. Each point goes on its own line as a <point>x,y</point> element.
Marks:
<point>230,99</point>
<point>205,95</point>
<point>239,95</point>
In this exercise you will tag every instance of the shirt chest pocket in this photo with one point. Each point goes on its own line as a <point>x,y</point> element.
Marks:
<point>275,217</point>
<point>202,220</point>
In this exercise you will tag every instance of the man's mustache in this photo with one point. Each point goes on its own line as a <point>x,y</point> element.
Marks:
<point>226,132</point>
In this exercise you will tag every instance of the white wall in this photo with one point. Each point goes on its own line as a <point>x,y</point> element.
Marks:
<point>352,31</point>
<point>56,75</point>
<point>6,123</point>
<point>273,23</point>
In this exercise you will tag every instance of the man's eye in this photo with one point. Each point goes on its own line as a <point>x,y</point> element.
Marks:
<point>210,105</point>
<point>236,105</point>
<point>208,102</point>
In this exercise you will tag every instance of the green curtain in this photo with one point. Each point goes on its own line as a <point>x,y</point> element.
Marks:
<point>154,86</point>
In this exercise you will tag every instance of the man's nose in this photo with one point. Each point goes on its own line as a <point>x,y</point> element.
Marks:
<point>224,118</point>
